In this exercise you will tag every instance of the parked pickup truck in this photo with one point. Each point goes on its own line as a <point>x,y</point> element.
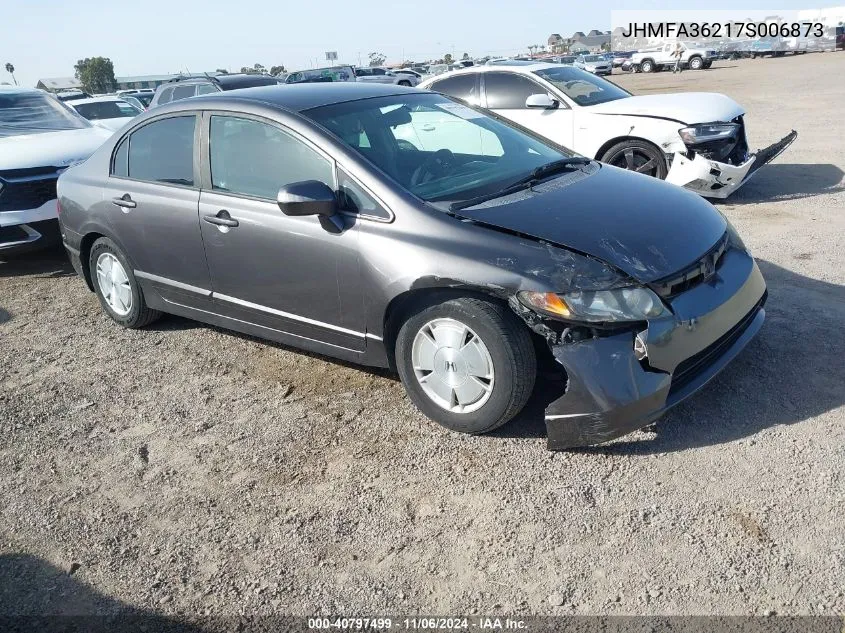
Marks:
<point>650,61</point>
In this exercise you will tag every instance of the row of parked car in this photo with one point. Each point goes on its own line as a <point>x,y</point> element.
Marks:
<point>446,231</point>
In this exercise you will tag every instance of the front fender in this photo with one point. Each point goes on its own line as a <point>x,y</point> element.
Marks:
<point>594,133</point>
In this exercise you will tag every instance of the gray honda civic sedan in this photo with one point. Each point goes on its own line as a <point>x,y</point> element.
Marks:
<point>400,228</point>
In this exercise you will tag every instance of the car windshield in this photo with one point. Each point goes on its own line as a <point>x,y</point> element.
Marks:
<point>440,150</point>
<point>106,110</point>
<point>594,58</point>
<point>35,113</point>
<point>582,87</point>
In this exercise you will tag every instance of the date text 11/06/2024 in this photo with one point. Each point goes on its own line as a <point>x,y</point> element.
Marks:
<point>418,624</point>
<point>749,30</point>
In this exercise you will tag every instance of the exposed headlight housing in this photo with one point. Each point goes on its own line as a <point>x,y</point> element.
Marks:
<point>597,306</point>
<point>708,132</point>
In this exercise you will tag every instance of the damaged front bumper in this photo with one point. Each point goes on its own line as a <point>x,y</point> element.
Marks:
<point>714,179</point>
<point>623,382</point>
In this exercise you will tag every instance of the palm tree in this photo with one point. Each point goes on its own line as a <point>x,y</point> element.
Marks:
<point>11,70</point>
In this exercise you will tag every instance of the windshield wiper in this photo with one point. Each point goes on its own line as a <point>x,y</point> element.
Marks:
<point>523,183</point>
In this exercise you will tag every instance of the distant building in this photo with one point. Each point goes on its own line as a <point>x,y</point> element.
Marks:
<point>55,84</point>
<point>594,42</point>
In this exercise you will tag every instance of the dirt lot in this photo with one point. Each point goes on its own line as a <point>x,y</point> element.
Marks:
<point>184,469</point>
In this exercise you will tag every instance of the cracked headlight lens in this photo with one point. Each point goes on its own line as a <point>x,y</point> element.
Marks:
<point>707,132</point>
<point>597,306</point>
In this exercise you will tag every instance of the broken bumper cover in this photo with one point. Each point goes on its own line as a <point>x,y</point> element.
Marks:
<point>611,393</point>
<point>713,179</point>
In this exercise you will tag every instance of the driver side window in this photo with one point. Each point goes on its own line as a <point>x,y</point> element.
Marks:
<point>508,91</point>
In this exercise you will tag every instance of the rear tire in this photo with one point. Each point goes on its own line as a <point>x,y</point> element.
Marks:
<point>477,349</point>
<point>407,84</point>
<point>122,299</point>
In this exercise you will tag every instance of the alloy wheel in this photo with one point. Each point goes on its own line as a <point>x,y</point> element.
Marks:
<point>635,159</point>
<point>114,284</point>
<point>453,365</point>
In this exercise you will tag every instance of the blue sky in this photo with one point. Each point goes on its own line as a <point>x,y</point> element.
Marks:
<point>44,38</point>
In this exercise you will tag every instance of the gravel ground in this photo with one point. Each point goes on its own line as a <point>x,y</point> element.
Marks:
<point>185,469</point>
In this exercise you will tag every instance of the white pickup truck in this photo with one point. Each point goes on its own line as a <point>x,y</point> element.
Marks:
<point>652,60</point>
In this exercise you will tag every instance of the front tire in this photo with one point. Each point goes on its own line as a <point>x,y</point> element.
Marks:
<point>117,288</point>
<point>467,363</point>
<point>637,155</point>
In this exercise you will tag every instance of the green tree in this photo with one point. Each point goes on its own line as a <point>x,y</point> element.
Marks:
<point>96,74</point>
<point>447,58</point>
<point>276,70</point>
<point>258,69</point>
<point>11,70</point>
<point>377,59</point>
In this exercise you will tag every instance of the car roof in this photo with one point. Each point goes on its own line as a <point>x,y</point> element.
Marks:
<point>21,90</point>
<point>518,68</point>
<point>76,102</point>
<point>300,97</point>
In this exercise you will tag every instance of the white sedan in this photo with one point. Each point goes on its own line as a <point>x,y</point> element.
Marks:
<point>695,140</point>
<point>111,113</point>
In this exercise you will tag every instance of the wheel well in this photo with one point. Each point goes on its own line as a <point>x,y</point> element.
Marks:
<point>620,139</point>
<point>85,256</point>
<point>400,307</point>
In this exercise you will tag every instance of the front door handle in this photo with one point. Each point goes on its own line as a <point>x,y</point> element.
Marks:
<point>124,201</point>
<point>221,219</point>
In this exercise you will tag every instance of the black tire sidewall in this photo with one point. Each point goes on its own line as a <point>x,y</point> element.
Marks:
<point>696,63</point>
<point>135,315</point>
<point>647,66</point>
<point>489,416</point>
<point>644,145</point>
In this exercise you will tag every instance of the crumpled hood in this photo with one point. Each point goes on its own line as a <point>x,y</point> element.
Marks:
<point>50,149</point>
<point>685,107</point>
<point>645,227</point>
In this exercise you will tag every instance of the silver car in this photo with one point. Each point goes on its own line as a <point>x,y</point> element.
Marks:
<point>318,216</point>
<point>596,64</point>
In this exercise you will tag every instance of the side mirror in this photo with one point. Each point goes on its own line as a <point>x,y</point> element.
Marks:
<point>308,197</point>
<point>543,101</point>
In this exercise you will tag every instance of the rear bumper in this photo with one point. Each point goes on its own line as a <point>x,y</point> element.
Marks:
<point>611,393</point>
<point>719,180</point>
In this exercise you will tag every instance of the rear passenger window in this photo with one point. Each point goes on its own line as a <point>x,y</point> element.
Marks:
<point>120,165</point>
<point>255,159</point>
<point>163,151</point>
<point>183,92</point>
<point>166,96</point>
<point>460,86</point>
<point>206,89</point>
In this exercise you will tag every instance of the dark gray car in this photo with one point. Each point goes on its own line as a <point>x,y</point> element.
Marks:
<point>322,216</point>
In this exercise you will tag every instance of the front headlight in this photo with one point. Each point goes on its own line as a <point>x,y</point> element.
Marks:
<point>597,306</point>
<point>707,132</point>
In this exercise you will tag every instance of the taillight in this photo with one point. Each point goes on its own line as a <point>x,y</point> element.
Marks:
<point>58,207</point>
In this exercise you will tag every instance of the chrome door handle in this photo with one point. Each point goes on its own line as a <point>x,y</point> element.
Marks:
<point>124,201</point>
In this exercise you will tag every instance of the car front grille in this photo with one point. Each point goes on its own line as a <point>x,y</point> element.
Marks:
<point>697,273</point>
<point>687,370</point>
<point>27,188</point>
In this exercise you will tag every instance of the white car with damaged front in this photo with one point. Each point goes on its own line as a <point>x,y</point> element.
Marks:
<point>40,137</point>
<point>695,140</point>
